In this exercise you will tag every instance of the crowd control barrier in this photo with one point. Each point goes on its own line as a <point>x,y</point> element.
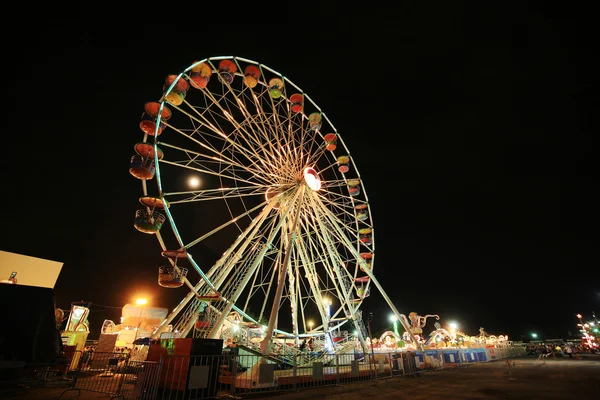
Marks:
<point>226,375</point>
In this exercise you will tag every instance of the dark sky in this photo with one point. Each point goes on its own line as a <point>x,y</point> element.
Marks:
<point>471,126</point>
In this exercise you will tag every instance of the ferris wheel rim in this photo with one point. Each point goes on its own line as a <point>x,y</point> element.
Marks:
<point>164,104</point>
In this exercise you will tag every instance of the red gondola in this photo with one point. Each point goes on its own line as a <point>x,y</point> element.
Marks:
<point>147,150</point>
<point>330,141</point>
<point>227,70</point>
<point>174,254</point>
<point>153,202</point>
<point>297,101</point>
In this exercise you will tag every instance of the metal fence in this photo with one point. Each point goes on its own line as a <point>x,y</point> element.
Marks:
<point>227,375</point>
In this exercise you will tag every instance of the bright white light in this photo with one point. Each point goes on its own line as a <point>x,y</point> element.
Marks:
<point>453,325</point>
<point>194,182</point>
<point>393,317</point>
<point>311,178</point>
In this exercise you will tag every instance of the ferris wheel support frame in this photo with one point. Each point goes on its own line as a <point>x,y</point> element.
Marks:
<point>344,292</point>
<point>401,317</point>
<point>206,278</point>
<point>265,345</point>
<point>231,301</point>
<point>215,331</point>
<point>341,287</point>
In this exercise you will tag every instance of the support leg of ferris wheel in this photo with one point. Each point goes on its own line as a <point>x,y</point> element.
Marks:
<point>314,287</point>
<point>345,293</point>
<point>313,281</point>
<point>231,301</point>
<point>206,279</point>
<point>265,345</point>
<point>243,284</point>
<point>401,317</point>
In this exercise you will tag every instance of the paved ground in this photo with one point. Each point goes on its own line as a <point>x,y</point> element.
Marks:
<point>527,378</point>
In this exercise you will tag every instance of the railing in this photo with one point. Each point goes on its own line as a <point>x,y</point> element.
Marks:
<point>229,374</point>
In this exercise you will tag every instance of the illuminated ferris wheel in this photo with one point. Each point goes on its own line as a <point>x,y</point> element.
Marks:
<point>280,225</point>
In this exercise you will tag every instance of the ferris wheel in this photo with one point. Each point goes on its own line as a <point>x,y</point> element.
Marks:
<point>278,235</point>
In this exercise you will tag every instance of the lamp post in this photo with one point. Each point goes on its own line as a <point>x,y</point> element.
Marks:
<point>327,304</point>
<point>140,303</point>
<point>328,339</point>
<point>453,326</point>
<point>394,319</point>
<point>533,336</point>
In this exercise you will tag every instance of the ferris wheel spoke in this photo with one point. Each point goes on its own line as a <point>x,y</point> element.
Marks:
<point>262,226</point>
<point>328,263</point>
<point>275,140</point>
<point>270,128</point>
<point>332,226</point>
<point>209,164</point>
<point>335,235</point>
<point>262,284</point>
<point>223,226</point>
<point>318,248</point>
<point>215,194</point>
<point>220,269</point>
<point>254,262</point>
<point>345,242</point>
<point>313,286</point>
<point>245,129</point>
<point>216,133</point>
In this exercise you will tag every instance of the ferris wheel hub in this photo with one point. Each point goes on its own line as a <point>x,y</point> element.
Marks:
<point>312,179</point>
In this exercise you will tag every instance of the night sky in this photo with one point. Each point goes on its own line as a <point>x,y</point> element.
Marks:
<point>471,126</point>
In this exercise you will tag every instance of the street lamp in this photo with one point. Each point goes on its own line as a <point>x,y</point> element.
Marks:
<point>394,319</point>
<point>327,303</point>
<point>326,327</point>
<point>453,327</point>
<point>140,302</point>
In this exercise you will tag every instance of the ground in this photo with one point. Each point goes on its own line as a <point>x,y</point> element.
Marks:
<point>524,377</point>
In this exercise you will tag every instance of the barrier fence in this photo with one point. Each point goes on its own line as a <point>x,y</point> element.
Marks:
<point>226,375</point>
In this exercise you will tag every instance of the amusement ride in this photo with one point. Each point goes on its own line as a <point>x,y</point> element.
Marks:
<point>280,226</point>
